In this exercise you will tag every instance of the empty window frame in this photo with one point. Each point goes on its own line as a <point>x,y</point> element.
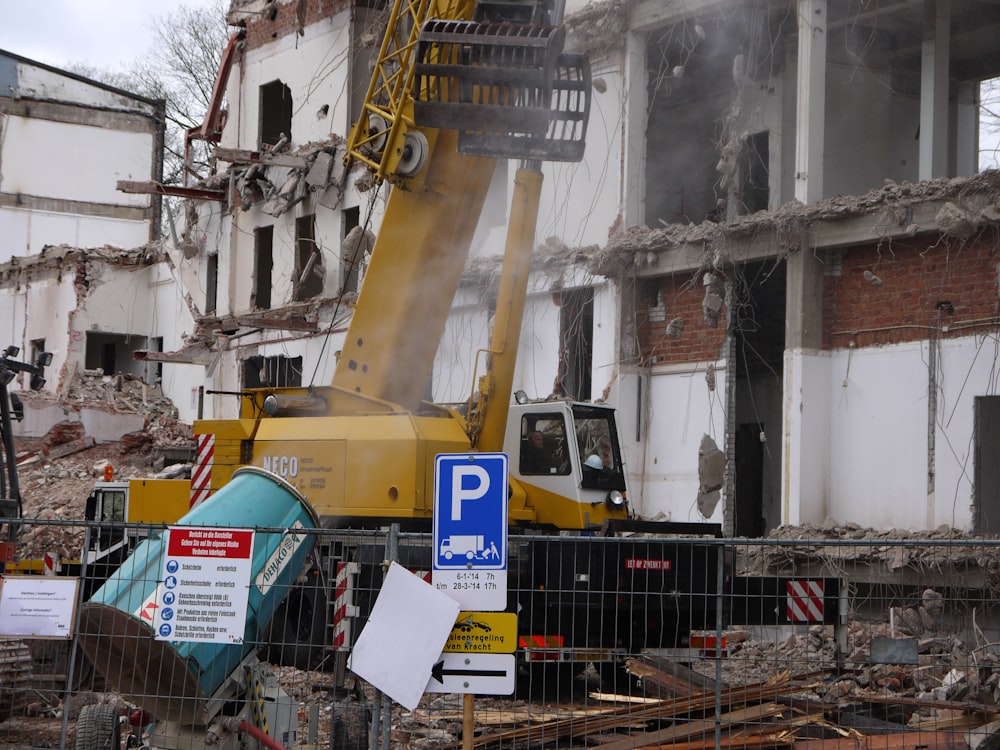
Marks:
<point>308,280</point>
<point>263,262</point>
<point>275,113</point>
<point>272,372</point>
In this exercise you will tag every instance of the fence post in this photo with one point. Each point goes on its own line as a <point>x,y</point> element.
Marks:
<point>720,603</point>
<point>382,711</point>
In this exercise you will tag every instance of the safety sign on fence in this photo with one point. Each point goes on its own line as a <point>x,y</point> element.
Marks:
<point>205,584</point>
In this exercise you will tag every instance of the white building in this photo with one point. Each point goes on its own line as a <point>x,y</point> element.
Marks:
<point>763,245</point>
<point>80,274</point>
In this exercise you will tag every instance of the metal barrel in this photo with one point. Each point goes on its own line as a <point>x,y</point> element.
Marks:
<point>184,681</point>
<point>506,87</point>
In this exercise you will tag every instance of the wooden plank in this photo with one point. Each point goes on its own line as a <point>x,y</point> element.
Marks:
<point>697,728</point>
<point>901,741</point>
<point>668,676</point>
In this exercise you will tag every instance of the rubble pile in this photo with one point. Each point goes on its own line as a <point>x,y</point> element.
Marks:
<point>941,549</point>
<point>58,472</point>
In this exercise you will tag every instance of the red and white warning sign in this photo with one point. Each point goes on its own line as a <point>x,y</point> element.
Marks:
<point>805,601</point>
<point>205,586</point>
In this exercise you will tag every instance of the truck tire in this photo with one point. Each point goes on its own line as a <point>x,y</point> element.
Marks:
<point>547,681</point>
<point>349,730</point>
<point>616,679</point>
<point>295,636</point>
<point>16,675</point>
<point>98,728</point>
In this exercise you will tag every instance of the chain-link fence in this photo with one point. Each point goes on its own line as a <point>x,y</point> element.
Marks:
<point>627,641</point>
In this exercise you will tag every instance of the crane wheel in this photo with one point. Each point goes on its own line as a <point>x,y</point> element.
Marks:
<point>414,156</point>
<point>378,132</point>
<point>295,635</point>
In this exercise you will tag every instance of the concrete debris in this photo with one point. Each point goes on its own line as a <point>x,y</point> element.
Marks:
<point>598,26</point>
<point>711,306</point>
<point>675,328</point>
<point>279,182</point>
<point>956,222</point>
<point>356,245</point>
<point>711,474</point>
<point>971,199</point>
<point>60,470</point>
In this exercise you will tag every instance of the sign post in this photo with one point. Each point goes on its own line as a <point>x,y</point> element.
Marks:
<point>470,565</point>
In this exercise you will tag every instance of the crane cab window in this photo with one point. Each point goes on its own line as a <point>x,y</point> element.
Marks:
<point>600,456</point>
<point>543,445</point>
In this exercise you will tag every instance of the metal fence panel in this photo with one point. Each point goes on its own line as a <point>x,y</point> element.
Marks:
<point>628,642</point>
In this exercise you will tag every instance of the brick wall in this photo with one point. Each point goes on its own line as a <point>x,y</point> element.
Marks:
<point>290,17</point>
<point>915,278</point>
<point>681,296</point>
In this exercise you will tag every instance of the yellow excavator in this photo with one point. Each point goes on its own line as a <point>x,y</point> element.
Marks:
<point>457,86</point>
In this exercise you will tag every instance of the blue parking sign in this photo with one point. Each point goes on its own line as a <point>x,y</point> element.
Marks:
<point>470,511</point>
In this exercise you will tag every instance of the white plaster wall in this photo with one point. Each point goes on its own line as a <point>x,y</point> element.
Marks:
<point>27,232</point>
<point>73,162</point>
<point>466,332</point>
<point>171,318</point>
<point>856,102</point>
<point>538,349</point>
<point>967,369</point>
<point>678,409</point>
<point>581,201</point>
<point>878,436</point>
<point>313,66</point>
<point>40,309</point>
<point>878,433</point>
<point>38,83</point>
<point>209,236</point>
<point>806,437</point>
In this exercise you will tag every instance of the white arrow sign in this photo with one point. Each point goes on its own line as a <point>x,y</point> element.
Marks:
<point>484,674</point>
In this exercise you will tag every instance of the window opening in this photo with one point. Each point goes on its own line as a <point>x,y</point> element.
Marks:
<point>597,441</point>
<point>272,372</point>
<point>262,264</point>
<point>576,342</point>
<point>308,260</point>
<point>211,283</point>
<point>753,192</point>
<point>275,113</point>
<point>543,445</point>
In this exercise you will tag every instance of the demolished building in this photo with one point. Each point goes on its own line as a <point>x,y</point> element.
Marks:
<point>776,260</point>
<point>67,286</point>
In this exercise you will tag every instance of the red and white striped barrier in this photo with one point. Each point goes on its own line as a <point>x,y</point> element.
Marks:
<point>201,475</point>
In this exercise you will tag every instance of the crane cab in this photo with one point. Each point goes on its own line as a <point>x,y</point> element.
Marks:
<point>567,457</point>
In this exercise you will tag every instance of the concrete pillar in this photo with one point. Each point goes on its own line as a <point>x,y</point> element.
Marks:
<point>635,103</point>
<point>810,101</point>
<point>805,403</point>
<point>967,129</point>
<point>804,300</point>
<point>936,51</point>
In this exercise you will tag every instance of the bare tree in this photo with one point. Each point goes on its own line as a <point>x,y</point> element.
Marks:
<point>180,69</point>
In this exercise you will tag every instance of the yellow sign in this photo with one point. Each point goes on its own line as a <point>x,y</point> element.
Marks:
<point>483,633</point>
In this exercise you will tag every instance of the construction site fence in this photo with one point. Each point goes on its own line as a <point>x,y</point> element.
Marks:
<point>626,642</point>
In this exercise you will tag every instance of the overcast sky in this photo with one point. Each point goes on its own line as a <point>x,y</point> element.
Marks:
<point>103,34</point>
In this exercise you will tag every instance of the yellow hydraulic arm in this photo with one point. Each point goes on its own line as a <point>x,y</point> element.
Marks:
<point>456,86</point>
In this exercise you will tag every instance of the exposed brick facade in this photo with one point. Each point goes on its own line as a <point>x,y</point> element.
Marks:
<point>915,277</point>
<point>681,296</point>
<point>289,19</point>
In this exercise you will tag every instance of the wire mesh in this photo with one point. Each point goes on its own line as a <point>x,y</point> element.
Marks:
<point>627,641</point>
